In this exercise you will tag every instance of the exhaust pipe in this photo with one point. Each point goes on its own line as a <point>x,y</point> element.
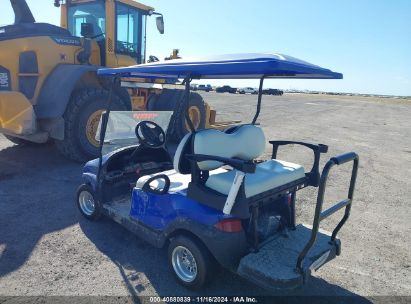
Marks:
<point>22,12</point>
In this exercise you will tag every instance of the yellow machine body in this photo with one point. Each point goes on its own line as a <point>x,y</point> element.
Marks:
<point>18,119</point>
<point>49,86</point>
<point>38,58</point>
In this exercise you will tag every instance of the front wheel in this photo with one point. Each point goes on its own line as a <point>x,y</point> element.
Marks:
<point>87,203</point>
<point>191,262</point>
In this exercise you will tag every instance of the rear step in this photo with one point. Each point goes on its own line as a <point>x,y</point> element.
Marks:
<point>286,263</point>
<point>274,265</point>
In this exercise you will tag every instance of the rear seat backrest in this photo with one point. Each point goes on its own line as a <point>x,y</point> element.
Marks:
<point>246,143</point>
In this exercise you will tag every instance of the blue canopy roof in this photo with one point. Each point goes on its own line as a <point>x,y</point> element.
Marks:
<point>234,66</point>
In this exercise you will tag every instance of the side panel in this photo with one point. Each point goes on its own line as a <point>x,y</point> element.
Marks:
<point>158,211</point>
<point>57,89</point>
<point>49,52</point>
<point>174,214</point>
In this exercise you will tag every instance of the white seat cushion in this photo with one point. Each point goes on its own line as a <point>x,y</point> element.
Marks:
<point>268,175</point>
<point>247,142</point>
<point>178,181</point>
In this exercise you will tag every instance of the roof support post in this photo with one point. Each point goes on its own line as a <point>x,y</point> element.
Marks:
<point>103,127</point>
<point>260,95</point>
<point>187,82</point>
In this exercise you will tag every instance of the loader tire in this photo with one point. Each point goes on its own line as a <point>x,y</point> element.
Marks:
<point>81,120</point>
<point>167,101</point>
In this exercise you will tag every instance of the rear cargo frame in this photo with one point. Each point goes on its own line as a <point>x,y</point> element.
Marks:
<point>320,248</point>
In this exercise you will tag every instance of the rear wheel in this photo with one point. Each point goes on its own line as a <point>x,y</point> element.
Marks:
<point>81,121</point>
<point>190,261</point>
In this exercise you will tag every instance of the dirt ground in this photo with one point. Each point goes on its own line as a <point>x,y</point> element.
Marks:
<point>48,249</point>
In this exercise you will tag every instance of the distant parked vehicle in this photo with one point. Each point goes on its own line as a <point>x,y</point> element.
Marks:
<point>225,89</point>
<point>204,87</point>
<point>273,92</point>
<point>201,87</point>
<point>247,90</point>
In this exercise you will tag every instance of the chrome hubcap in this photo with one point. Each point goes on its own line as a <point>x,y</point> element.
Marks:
<point>86,202</point>
<point>184,264</point>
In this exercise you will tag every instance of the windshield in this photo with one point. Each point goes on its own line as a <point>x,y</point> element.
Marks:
<point>92,13</point>
<point>121,126</point>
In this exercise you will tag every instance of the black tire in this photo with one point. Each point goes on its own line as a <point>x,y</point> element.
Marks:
<point>84,105</point>
<point>97,212</point>
<point>168,100</point>
<point>205,263</point>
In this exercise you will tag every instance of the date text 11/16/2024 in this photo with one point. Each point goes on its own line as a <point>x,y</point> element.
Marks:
<point>203,300</point>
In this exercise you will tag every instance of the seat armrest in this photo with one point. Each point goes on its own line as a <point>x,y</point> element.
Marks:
<point>239,164</point>
<point>314,174</point>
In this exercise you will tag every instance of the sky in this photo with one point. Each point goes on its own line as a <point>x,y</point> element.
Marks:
<point>369,41</point>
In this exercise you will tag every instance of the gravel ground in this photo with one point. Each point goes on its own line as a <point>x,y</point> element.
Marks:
<point>47,249</point>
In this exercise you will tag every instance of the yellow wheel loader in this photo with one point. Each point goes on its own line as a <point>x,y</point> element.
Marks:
<point>49,88</point>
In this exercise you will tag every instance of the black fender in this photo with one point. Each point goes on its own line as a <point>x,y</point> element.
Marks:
<point>62,81</point>
<point>227,248</point>
<point>57,88</point>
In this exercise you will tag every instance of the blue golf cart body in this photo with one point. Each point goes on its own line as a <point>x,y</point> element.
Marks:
<point>165,195</point>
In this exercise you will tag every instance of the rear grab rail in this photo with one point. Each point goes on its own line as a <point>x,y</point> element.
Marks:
<point>321,215</point>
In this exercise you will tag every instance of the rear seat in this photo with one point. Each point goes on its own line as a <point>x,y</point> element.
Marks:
<point>268,175</point>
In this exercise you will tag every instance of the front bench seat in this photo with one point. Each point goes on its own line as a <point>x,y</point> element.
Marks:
<point>178,182</point>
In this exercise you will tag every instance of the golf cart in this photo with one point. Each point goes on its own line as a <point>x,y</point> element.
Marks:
<point>211,200</point>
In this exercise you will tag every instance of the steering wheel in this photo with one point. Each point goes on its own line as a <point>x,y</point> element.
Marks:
<point>121,46</point>
<point>150,134</point>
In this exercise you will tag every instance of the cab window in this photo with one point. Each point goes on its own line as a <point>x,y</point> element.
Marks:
<point>92,13</point>
<point>129,28</point>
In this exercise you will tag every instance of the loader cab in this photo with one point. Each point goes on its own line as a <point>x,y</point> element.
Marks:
<point>117,27</point>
